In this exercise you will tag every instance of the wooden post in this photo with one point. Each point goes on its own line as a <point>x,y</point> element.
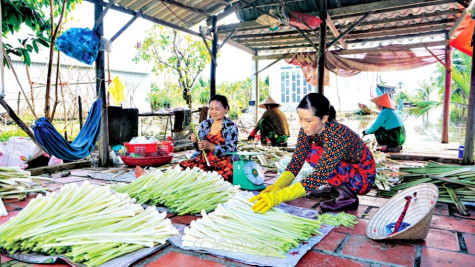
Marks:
<point>323,41</point>
<point>101,91</point>
<point>203,114</point>
<point>470,127</point>
<point>214,50</point>
<point>18,103</point>
<point>447,89</point>
<point>256,86</point>
<point>80,112</point>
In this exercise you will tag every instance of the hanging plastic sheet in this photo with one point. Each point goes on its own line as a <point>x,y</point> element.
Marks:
<point>299,20</point>
<point>79,43</point>
<point>116,89</point>
<point>463,40</point>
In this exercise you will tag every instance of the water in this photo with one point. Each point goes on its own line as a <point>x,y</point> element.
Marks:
<point>418,130</point>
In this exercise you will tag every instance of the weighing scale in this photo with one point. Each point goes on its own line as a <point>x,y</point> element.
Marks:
<point>246,173</point>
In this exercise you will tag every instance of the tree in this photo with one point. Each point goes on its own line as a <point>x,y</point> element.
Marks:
<point>460,85</point>
<point>171,51</point>
<point>263,88</point>
<point>15,13</point>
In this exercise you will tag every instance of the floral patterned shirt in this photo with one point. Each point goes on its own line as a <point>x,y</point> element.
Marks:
<point>339,143</point>
<point>229,131</point>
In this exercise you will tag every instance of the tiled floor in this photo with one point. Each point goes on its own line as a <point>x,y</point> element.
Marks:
<point>451,240</point>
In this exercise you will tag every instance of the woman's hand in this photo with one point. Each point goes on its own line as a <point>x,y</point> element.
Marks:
<point>206,145</point>
<point>193,138</point>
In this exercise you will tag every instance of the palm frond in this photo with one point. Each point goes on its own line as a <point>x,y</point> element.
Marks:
<point>421,107</point>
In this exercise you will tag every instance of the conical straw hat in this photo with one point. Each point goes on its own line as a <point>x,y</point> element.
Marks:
<point>418,215</point>
<point>268,101</point>
<point>385,101</point>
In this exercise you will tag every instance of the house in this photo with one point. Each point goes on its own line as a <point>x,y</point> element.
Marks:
<point>288,86</point>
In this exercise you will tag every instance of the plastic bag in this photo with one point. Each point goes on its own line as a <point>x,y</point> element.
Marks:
<point>54,161</point>
<point>79,43</point>
<point>139,140</point>
<point>116,90</point>
<point>116,159</point>
<point>304,172</point>
<point>18,151</point>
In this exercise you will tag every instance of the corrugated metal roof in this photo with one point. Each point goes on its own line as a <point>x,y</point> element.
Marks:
<point>181,13</point>
<point>418,21</point>
<point>392,21</point>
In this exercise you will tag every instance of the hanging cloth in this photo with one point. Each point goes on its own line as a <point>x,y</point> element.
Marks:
<point>54,143</point>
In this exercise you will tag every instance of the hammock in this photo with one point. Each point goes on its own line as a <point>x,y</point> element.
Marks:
<point>54,143</point>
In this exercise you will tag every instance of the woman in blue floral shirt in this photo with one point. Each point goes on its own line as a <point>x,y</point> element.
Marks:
<point>218,135</point>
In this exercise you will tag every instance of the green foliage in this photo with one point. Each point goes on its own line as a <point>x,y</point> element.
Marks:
<point>460,86</point>
<point>235,95</point>
<point>402,95</point>
<point>234,113</point>
<point>263,88</point>
<point>457,115</point>
<point>426,87</point>
<point>239,93</point>
<point>177,53</point>
<point>16,13</point>
<point>5,136</point>
<point>421,107</point>
<point>200,92</point>
<point>158,97</point>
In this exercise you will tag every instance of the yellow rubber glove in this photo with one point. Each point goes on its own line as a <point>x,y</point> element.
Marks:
<point>285,179</point>
<point>268,200</point>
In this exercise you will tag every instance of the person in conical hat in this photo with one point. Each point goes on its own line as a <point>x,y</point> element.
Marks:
<point>273,124</point>
<point>388,127</point>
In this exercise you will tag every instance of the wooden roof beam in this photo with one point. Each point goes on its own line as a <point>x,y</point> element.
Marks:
<point>355,34</point>
<point>245,25</point>
<point>356,23</point>
<point>403,31</point>
<point>235,44</point>
<point>399,36</point>
<point>393,37</point>
<point>361,51</point>
<point>335,32</point>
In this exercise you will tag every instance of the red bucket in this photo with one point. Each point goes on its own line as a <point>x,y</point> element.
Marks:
<point>142,149</point>
<point>165,148</point>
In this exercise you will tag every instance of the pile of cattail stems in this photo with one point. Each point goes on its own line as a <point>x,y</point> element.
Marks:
<point>456,183</point>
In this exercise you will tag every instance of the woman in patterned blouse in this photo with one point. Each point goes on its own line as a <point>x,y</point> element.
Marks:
<point>218,135</point>
<point>338,155</point>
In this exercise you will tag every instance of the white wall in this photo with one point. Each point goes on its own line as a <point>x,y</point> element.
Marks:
<point>80,79</point>
<point>344,93</point>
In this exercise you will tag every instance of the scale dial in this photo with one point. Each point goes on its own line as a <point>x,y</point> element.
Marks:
<point>254,173</point>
